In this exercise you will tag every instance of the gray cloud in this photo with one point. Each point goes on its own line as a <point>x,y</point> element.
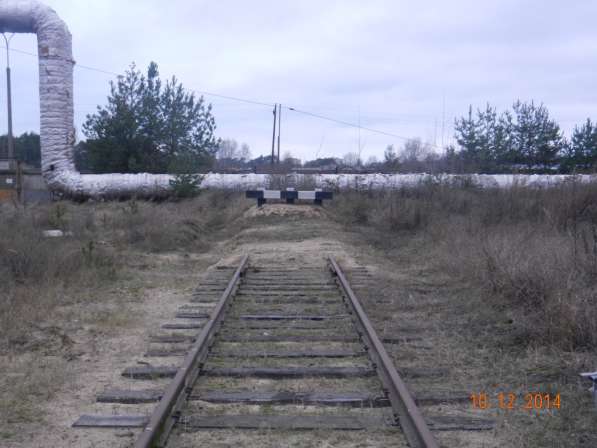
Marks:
<point>392,60</point>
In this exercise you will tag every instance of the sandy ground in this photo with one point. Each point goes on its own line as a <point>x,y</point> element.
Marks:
<point>274,234</point>
<point>106,337</point>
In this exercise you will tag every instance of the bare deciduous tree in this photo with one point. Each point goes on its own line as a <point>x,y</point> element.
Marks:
<point>351,159</point>
<point>372,160</point>
<point>228,149</point>
<point>414,150</point>
<point>245,152</point>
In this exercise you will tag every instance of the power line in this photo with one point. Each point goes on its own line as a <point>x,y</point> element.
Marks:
<point>14,50</point>
<point>86,67</point>
<point>96,69</point>
<point>248,101</point>
<point>232,98</point>
<point>347,123</point>
<point>202,92</point>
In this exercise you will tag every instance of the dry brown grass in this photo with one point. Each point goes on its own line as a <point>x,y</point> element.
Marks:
<point>534,250</point>
<point>54,290</point>
<point>515,271</point>
<point>39,273</point>
<point>26,382</point>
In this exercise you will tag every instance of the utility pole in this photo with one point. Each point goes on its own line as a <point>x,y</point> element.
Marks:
<point>443,119</point>
<point>274,134</point>
<point>13,160</point>
<point>279,129</point>
<point>359,149</point>
<point>11,152</point>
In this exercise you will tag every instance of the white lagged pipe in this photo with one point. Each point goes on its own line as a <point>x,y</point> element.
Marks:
<point>57,131</point>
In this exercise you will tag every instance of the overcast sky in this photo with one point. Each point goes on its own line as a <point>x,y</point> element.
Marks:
<point>393,63</point>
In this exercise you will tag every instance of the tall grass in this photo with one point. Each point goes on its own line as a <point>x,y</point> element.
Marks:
<point>38,273</point>
<point>534,250</point>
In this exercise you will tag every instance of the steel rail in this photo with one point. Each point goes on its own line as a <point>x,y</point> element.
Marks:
<point>165,414</point>
<point>405,409</point>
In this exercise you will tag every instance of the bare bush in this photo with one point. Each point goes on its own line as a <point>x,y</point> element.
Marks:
<point>36,271</point>
<point>532,249</point>
<point>39,273</point>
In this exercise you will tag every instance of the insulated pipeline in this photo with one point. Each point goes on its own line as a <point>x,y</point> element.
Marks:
<point>57,132</point>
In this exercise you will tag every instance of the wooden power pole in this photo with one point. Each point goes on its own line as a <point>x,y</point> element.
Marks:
<point>274,135</point>
<point>279,129</point>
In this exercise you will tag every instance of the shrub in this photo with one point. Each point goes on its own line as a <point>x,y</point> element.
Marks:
<point>532,249</point>
<point>39,273</point>
<point>186,185</point>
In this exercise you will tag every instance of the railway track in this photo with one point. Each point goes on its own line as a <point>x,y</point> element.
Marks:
<point>278,347</point>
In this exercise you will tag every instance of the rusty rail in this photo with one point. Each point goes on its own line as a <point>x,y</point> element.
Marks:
<point>405,409</point>
<point>164,416</point>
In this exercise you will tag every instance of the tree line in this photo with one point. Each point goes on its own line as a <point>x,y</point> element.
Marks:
<point>523,139</point>
<point>26,147</point>
<point>155,126</point>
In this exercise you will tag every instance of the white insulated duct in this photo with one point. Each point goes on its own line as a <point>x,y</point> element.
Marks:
<point>57,130</point>
<point>58,135</point>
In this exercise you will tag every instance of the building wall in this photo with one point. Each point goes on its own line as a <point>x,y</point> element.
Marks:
<point>34,187</point>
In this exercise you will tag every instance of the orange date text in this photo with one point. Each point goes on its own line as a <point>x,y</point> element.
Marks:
<point>510,401</point>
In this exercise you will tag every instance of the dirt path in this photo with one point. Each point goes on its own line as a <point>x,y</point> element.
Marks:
<point>113,334</point>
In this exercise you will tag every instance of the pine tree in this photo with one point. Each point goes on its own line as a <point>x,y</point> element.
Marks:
<point>390,158</point>
<point>581,153</point>
<point>528,136</point>
<point>27,148</point>
<point>472,136</point>
<point>147,126</point>
<point>537,139</point>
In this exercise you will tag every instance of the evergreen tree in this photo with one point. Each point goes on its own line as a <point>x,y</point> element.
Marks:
<point>146,127</point>
<point>581,153</point>
<point>81,157</point>
<point>491,143</point>
<point>537,138</point>
<point>488,145</point>
<point>505,152</point>
<point>390,158</point>
<point>27,148</point>
<point>469,137</point>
